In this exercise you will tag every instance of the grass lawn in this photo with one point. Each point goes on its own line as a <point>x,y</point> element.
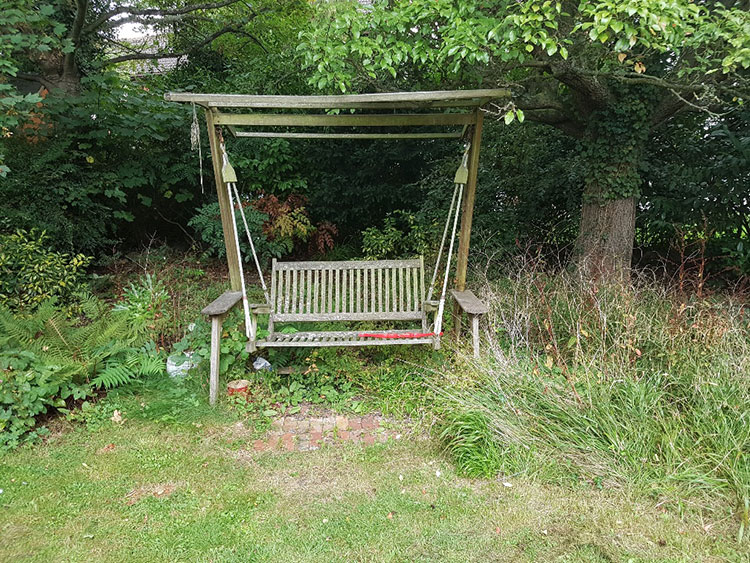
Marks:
<point>153,491</point>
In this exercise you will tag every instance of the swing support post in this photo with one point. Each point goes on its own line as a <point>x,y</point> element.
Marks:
<point>225,205</point>
<point>467,214</point>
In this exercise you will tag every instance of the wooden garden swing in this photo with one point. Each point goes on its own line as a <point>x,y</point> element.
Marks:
<point>373,290</point>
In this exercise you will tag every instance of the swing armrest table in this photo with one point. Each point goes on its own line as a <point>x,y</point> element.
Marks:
<point>473,307</point>
<point>216,311</point>
<point>222,304</point>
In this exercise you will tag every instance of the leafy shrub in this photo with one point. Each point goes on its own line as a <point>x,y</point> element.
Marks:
<point>116,161</point>
<point>207,223</point>
<point>198,343</point>
<point>277,226</point>
<point>327,379</point>
<point>402,235</point>
<point>30,272</point>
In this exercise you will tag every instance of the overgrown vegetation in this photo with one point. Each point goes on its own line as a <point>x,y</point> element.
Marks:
<point>615,385</point>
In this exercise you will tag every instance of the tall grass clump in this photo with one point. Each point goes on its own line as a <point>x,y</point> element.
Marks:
<point>621,385</point>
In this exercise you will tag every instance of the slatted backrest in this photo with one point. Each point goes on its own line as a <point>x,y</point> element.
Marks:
<point>347,291</point>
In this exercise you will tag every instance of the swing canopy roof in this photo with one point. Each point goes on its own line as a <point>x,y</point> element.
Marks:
<point>413,115</point>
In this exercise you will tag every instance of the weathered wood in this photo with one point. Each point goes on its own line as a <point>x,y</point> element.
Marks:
<point>380,308</point>
<point>340,276</point>
<point>475,334</point>
<point>344,120</point>
<point>310,135</point>
<point>340,338</point>
<point>467,211</point>
<point>409,282</point>
<point>348,264</point>
<point>449,97</point>
<point>401,289</point>
<point>308,281</point>
<point>316,292</point>
<point>469,302</point>
<point>467,206</point>
<point>213,387</point>
<point>223,303</point>
<point>352,297</point>
<point>356,291</point>
<point>329,284</point>
<point>260,308</point>
<point>348,316</point>
<point>227,224</point>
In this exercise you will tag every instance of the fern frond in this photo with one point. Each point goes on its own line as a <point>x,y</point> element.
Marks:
<point>146,361</point>
<point>114,374</point>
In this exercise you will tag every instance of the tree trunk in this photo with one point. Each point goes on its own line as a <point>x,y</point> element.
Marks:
<point>604,248</point>
<point>612,151</point>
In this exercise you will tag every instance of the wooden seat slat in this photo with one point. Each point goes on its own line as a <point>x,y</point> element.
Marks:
<point>340,338</point>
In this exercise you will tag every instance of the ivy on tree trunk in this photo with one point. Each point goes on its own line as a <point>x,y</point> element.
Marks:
<point>613,147</point>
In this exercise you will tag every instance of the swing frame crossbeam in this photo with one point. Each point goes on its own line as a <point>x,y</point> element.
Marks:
<point>456,114</point>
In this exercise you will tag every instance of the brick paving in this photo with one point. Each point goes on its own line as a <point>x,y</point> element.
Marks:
<point>304,432</point>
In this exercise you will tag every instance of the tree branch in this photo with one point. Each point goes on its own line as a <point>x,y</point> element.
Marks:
<point>695,88</point>
<point>145,20</point>
<point>194,47</point>
<point>78,21</point>
<point>587,86</point>
<point>558,120</point>
<point>155,12</point>
<point>35,78</point>
<point>668,107</point>
<point>69,68</point>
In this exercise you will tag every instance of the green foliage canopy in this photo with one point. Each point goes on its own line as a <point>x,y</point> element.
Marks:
<point>699,49</point>
<point>606,72</point>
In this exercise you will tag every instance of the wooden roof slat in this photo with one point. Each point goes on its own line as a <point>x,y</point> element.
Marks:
<point>445,98</point>
<point>296,135</point>
<point>471,103</point>
<point>324,120</point>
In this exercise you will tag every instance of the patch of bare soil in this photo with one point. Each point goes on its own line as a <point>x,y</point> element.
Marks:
<point>159,490</point>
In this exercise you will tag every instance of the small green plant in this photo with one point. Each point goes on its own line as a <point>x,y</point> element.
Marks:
<point>30,272</point>
<point>95,415</point>
<point>145,305</point>
<point>207,223</point>
<point>198,340</point>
